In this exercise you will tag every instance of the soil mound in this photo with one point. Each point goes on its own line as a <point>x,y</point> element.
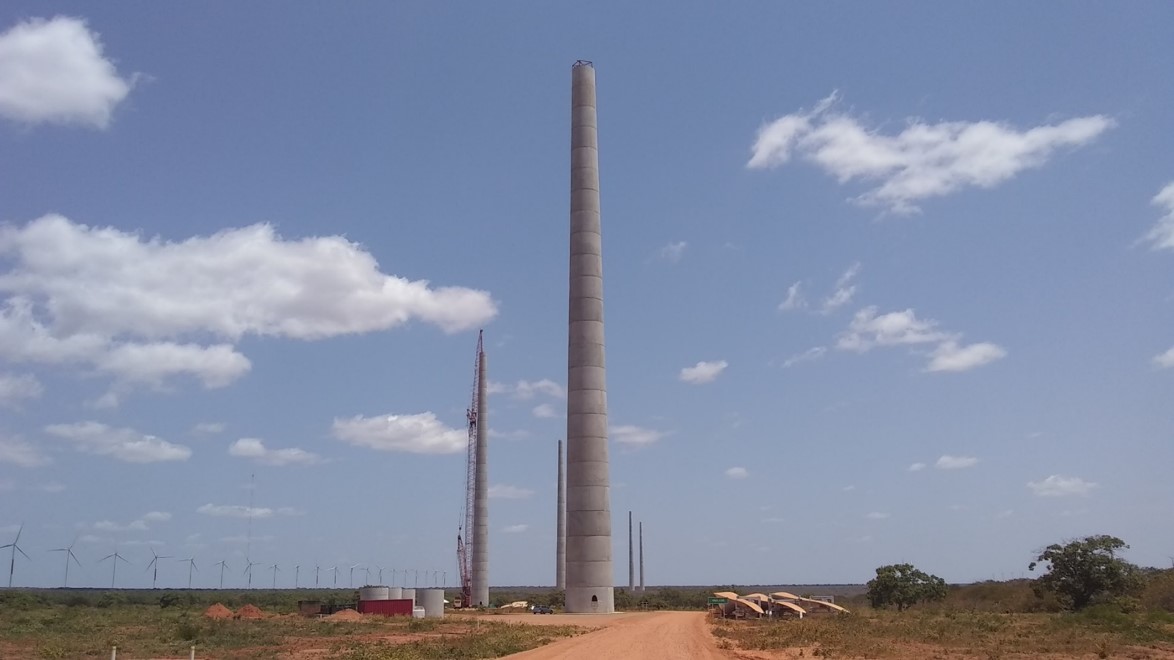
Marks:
<point>345,615</point>
<point>250,612</point>
<point>218,611</point>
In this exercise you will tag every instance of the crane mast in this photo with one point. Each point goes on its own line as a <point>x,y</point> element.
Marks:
<point>464,532</point>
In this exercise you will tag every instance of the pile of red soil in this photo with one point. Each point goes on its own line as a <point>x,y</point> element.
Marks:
<point>345,615</point>
<point>218,611</point>
<point>250,612</point>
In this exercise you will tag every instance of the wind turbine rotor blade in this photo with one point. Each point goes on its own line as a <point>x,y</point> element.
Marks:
<point>22,552</point>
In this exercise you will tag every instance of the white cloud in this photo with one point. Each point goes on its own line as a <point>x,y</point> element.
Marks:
<point>949,356</point>
<point>808,355</point>
<point>519,434</point>
<point>524,390</point>
<point>922,161</point>
<point>515,529</point>
<point>234,511</point>
<point>794,299</point>
<point>255,449</point>
<point>635,435</point>
<point>1165,360</point>
<point>1060,486</point>
<point>545,411</point>
<point>124,444</point>
<point>845,290</point>
<point>54,71</point>
<point>867,330</point>
<point>507,492</point>
<point>157,516</point>
<point>916,467</point>
<point>703,372</point>
<point>17,451</point>
<point>737,473</point>
<point>1161,237</point>
<point>673,251</point>
<point>948,462</point>
<point>416,434</point>
<point>122,303</point>
<point>139,525</point>
<point>208,428</point>
<point>53,487</point>
<point>15,389</point>
<point>877,515</point>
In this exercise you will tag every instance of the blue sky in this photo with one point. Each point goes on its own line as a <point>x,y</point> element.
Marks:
<point>884,283</point>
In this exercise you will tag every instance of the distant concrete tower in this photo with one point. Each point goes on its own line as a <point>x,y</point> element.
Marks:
<point>560,544</point>
<point>631,558</point>
<point>590,580</point>
<point>480,577</point>
<point>641,556</point>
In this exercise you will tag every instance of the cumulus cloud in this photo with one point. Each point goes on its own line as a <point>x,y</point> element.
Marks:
<point>508,492</point>
<point>1061,486</point>
<point>808,355</point>
<point>124,304</point>
<point>545,411</point>
<point>20,453</point>
<point>208,428</point>
<point>922,161</point>
<point>948,462</point>
<point>917,467</point>
<point>877,515</point>
<point>1165,360</point>
<point>794,299</point>
<point>949,356</point>
<point>16,389</point>
<point>54,71</point>
<point>255,449</point>
<point>868,330</point>
<point>845,290</point>
<point>123,444</point>
<point>635,436</point>
<point>737,473</point>
<point>515,529</point>
<point>524,390</point>
<point>139,525</point>
<point>673,251</point>
<point>703,372</point>
<point>416,434</point>
<point>1161,237</point>
<point>234,511</point>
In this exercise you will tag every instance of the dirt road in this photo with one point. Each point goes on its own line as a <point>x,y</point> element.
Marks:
<point>652,636</point>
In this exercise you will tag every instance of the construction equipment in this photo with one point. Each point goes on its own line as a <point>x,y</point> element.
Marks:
<point>465,528</point>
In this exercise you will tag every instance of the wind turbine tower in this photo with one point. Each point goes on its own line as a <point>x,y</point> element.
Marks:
<point>275,570</point>
<point>15,549</point>
<point>191,561</point>
<point>590,579</point>
<point>223,564</point>
<point>114,559</point>
<point>68,550</point>
<point>153,566</point>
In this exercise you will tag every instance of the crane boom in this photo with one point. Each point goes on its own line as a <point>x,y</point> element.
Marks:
<point>464,543</point>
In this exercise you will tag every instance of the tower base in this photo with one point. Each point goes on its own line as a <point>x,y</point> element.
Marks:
<point>579,600</point>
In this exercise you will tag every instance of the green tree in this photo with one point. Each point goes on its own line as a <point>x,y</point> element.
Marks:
<point>1085,571</point>
<point>903,585</point>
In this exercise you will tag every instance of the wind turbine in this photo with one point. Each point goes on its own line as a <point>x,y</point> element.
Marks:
<point>316,569</point>
<point>155,565</point>
<point>297,572</point>
<point>353,567</point>
<point>366,575</point>
<point>15,549</point>
<point>68,550</point>
<point>275,569</point>
<point>115,558</point>
<point>249,564</point>
<point>434,574</point>
<point>191,566</point>
<point>416,572</point>
<point>335,569</point>
<point>380,574</point>
<point>223,565</point>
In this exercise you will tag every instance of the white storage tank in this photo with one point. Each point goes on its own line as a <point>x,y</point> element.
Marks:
<point>409,593</point>
<point>433,602</point>
<point>373,593</point>
<point>395,593</point>
<point>417,612</point>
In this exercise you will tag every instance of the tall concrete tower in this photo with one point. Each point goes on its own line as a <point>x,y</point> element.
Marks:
<point>590,580</point>
<point>480,577</point>
<point>641,556</point>
<point>631,558</point>
<point>560,544</point>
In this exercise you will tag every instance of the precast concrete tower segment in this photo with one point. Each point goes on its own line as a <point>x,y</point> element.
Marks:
<point>631,558</point>
<point>480,577</point>
<point>560,544</point>
<point>641,556</point>
<point>590,579</point>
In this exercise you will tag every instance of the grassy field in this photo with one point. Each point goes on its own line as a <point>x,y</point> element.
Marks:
<point>143,631</point>
<point>942,633</point>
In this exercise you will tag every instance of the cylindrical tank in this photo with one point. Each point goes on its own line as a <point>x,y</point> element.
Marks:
<point>417,612</point>
<point>433,602</point>
<point>373,593</point>
<point>409,593</point>
<point>395,593</point>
